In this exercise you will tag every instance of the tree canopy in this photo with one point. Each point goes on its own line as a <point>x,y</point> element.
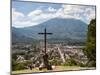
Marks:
<point>90,49</point>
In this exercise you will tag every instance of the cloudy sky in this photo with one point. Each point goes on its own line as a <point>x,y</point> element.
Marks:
<point>30,13</point>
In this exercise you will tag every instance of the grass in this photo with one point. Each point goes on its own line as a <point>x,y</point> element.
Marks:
<point>57,68</point>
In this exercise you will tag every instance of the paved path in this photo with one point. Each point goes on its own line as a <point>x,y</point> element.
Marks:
<point>61,54</point>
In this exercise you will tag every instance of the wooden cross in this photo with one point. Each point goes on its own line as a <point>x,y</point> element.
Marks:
<point>45,38</point>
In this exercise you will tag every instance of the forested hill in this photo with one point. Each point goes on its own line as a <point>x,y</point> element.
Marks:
<point>62,29</point>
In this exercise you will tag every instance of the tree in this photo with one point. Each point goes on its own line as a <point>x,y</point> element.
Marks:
<point>90,49</point>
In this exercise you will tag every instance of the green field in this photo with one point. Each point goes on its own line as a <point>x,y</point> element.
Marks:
<point>57,68</point>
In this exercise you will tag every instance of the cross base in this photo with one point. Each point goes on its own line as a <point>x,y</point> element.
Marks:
<point>45,63</point>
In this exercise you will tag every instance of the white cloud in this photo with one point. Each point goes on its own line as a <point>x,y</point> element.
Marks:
<point>85,13</point>
<point>16,14</point>
<point>50,9</point>
<point>32,18</point>
<point>21,20</point>
<point>35,13</point>
<point>68,11</point>
<point>90,14</point>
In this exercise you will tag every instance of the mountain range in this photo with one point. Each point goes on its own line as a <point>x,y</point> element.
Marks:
<point>62,29</point>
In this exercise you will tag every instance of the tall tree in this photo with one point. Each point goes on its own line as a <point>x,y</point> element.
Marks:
<point>90,49</point>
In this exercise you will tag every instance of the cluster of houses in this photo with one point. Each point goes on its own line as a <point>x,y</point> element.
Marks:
<point>62,52</point>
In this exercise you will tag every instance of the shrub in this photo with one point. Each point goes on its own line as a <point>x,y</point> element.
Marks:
<point>55,62</point>
<point>72,62</point>
<point>19,65</point>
